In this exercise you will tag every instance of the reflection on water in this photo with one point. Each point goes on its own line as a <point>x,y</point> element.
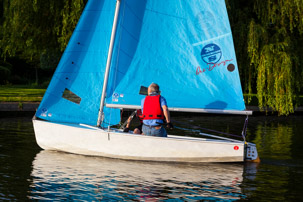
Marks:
<point>280,174</point>
<point>17,149</point>
<point>26,172</point>
<point>274,143</point>
<point>95,178</point>
<point>278,138</point>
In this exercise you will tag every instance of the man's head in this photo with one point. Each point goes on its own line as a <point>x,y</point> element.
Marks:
<point>153,88</point>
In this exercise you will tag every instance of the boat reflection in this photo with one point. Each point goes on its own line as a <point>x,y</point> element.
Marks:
<point>64,176</point>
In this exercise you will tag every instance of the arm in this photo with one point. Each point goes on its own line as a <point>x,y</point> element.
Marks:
<point>126,129</point>
<point>166,113</point>
<point>128,122</point>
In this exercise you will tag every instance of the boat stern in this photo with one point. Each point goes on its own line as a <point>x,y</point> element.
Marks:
<point>251,153</point>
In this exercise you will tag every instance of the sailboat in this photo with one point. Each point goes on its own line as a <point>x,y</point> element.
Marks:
<point>119,46</point>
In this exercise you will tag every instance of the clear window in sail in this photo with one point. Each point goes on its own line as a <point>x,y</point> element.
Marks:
<point>69,95</point>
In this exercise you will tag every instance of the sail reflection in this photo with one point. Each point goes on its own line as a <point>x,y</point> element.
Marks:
<point>63,176</point>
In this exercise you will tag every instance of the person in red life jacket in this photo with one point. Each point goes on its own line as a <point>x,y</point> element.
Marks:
<point>155,111</point>
<point>138,129</point>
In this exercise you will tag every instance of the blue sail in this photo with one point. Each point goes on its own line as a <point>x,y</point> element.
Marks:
<point>74,93</point>
<point>184,46</point>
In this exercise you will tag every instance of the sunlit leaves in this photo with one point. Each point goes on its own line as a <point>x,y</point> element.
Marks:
<point>70,15</point>
<point>39,28</point>
<point>273,41</point>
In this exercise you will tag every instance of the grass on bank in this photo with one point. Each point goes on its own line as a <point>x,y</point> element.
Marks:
<point>21,94</point>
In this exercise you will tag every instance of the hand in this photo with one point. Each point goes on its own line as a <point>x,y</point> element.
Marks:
<point>170,125</point>
<point>126,130</point>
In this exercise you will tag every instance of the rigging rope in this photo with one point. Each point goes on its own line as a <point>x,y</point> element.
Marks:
<point>206,129</point>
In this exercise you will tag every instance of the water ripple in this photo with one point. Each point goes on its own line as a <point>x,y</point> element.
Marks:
<point>64,176</point>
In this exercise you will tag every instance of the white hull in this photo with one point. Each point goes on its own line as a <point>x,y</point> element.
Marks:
<point>88,140</point>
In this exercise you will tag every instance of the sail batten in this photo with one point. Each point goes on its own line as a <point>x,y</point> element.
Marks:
<point>209,40</point>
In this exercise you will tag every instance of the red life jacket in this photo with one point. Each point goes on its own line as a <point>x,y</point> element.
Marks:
<point>140,115</point>
<point>152,108</point>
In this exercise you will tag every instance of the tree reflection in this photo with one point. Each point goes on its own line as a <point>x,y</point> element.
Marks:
<point>274,141</point>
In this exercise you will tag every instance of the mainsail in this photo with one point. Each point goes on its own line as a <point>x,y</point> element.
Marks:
<point>184,46</point>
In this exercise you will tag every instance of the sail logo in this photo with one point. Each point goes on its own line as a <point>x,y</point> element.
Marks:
<point>44,112</point>
<point>211,66</point>
<point>211,53</point>
<point>115,97</point>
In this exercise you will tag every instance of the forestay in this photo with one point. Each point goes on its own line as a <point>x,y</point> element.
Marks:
<point>184,46</point>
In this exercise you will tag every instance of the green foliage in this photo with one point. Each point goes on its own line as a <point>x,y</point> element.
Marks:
<point>70,15</point>
<point>5,72</point>
<point>39,30</point>
<point>272,45</point>
<point>272,51</point>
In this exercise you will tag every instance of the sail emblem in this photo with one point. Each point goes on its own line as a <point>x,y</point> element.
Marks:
<point>44,112</point>
<point>115,97</point>
<point>211,53</point>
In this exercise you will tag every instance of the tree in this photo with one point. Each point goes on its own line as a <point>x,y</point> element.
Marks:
<point>271,48</point>
<point>38,32</point>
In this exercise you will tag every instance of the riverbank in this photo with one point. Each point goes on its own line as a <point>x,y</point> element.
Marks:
<point>21,94</point>
<point>20,98</point>
<point>18,106</point>
<point>32,107</point>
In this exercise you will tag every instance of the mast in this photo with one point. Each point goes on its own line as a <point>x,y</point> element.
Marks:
<point>108,63</point>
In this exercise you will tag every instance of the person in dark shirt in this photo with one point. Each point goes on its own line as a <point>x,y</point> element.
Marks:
<point>138,129</point>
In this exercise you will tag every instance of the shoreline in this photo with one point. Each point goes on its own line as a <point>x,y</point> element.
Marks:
<point>32,106</point>
<point>18,106</point>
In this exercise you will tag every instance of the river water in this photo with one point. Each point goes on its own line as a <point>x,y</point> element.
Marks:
<point>29,173</point>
